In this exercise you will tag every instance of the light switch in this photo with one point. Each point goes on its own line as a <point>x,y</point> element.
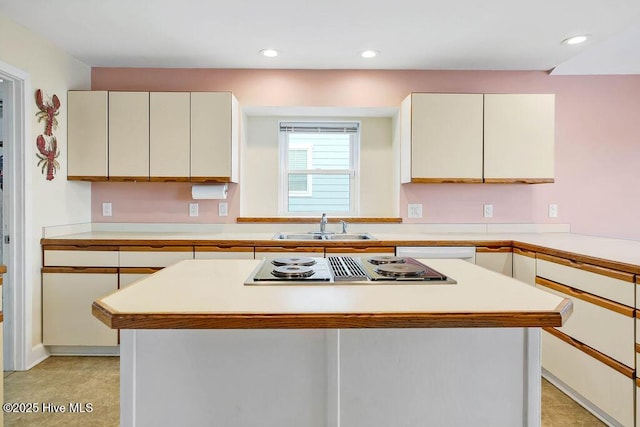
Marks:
<point>553,210</point>
<point>193,209</point>
<point>106,209</point>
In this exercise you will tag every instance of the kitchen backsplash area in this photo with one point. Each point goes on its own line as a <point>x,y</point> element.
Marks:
<point>595,144</point>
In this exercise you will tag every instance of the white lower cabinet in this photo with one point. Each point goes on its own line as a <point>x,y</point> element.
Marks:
<point>154,256</point>
<point>67,296</point>
<point>273,252</point>
<point>223,252</point>
<point>524,266</point>
<point>499,259</point>
<point>605,388</point>
<point>361,252</point>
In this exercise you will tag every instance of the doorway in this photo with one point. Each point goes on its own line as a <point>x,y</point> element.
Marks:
<point>14,214</point>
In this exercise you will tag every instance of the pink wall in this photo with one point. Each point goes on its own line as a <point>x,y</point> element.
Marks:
<point>597,144</point>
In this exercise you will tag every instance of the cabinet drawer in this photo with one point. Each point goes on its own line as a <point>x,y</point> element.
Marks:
<point>149,256</point>
<point>524,266</point>
<point>80,258</point>
<point>223,252</point>
<point>66,308</point>
<point>364,252</point>
<point>611,284</point>
<point>609,331</point>
<point>603,386</point>
<point>279,252</point>
<point>499,260</point>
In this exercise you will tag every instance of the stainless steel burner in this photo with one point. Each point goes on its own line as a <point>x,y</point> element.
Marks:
<point>386,259</point>
<point>307,261</point>
<point>400,270</point>
<point>293,271</point>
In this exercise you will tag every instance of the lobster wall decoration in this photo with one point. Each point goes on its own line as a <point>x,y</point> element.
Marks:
<point>47,143</point>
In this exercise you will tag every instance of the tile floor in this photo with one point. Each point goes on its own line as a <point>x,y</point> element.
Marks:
<point>95,380</point>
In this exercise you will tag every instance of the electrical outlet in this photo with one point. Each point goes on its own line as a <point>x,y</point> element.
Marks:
<point>223,209</point>
<point>553,210</point>
<point>193,209</point>
<point>488,211</point>
<point>106,209</point>
<point>415,210</point>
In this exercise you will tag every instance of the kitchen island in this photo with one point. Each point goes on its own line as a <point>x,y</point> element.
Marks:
<point>198,347</point>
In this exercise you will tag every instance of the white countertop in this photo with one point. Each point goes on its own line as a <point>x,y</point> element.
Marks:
<point>216,288</point>
<point>616,250</point>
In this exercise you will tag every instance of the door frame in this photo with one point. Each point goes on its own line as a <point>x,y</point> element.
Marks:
<point>20,354</point>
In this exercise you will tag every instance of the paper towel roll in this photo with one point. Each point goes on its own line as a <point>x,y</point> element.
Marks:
<point>209,191</point>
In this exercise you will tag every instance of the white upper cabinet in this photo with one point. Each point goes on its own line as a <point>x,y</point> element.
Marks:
<point>446,137</point>
<point>473,138</point>
<point>129,136</point>
<point>169,136</point>
<point>519,137</point>
<point>214,137</point>
<point>87,135</point>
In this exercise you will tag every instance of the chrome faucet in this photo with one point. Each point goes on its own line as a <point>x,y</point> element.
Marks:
<point>344,226</point>
<point>323,223</point>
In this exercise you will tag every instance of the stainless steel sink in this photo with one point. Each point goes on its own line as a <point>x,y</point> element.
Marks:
<point>299,236</point>
<point>350,236</point>
<point>323,236</point>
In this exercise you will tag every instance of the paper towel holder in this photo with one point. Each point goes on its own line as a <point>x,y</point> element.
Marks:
<point>209,191</point>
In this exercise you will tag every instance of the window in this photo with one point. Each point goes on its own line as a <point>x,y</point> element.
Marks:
<point>319,168</point>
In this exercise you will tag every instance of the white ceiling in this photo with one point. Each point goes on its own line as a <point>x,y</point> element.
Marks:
<point>330,34</point>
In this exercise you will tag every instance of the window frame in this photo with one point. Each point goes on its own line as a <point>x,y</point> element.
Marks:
<point>353,171</point>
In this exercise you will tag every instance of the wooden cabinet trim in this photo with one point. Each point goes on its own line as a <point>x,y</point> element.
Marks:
<point>620,275</point>
<point>169,179</point>
<point>310,249</point>
<point>523,252</point>
<point>207,179</point>
<point>637,348</point>
<point>139,270</point>
<point>156,248</point>
<point>223,248</point>
<point>612,363</point>
<point>519,180</point>
<point>128,178</point>
<point>81,248</point>
<point>637,383</point>
<point>487,249</point>
<point>83,270</point>
<point>87,178</point>
<point>584,296</point>
<point>446,180</point>
<point>368,250</point>
<point>314,220</point>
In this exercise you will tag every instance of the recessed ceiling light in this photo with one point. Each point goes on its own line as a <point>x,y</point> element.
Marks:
<point>370,53</point>
<point>269,53</point>
<point>576,39</point>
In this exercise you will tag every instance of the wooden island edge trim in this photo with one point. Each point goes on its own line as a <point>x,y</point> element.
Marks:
<point>117,320</point>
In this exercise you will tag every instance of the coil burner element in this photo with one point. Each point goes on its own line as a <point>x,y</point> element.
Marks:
<point>292,271</point>
<point>307,261</point>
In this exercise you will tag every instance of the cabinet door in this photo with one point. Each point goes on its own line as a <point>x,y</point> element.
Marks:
<point>87,135</point>
<point>223,252</point>
<point>129,136</point>
<point>67,297</point>
<point>524,266</point>
<point>272,252</point>
<point>214,137</point>
<point>446,137</point>
<point>499,260</point>
<point>604,387</point>
<point>169,137</point>
<point>519,137</point>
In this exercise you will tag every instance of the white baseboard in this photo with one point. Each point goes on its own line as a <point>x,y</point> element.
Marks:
<point>37,355</point>
<point>70,350</point>
<point>581,400</point>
